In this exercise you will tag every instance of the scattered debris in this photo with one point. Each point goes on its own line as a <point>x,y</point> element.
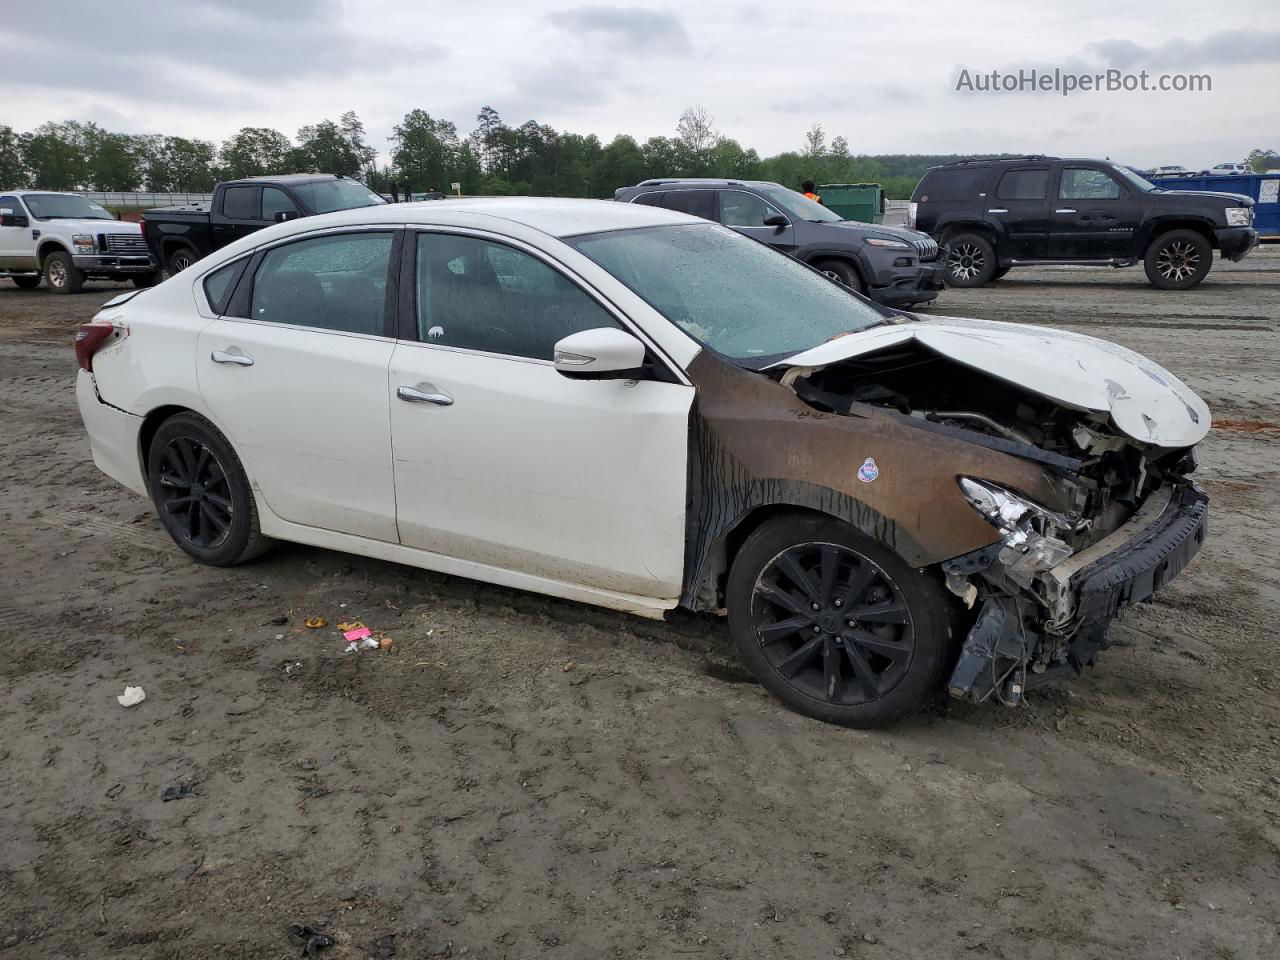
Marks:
<point>291,667</point>
<point>569,665</point>
<point>280,620</point>
<point>115,790</point>
<point>178,792</point>
<point>131,697</point>
<point>309,938</point>
<point>384,948</point>
<point>384,641</point>
<point>315,623</point>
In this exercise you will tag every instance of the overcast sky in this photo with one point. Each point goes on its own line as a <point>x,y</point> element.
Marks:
<point>881,74</point>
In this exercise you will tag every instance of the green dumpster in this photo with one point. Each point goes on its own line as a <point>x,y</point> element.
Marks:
<point>854,201</point>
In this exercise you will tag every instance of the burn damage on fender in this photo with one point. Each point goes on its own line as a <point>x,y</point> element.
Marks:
<point>1043,519</point>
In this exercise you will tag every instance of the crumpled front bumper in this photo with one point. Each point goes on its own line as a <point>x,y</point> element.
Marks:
<point>1084,593</point>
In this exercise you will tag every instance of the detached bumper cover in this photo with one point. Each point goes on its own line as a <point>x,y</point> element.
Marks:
<point>1235,242</point>
<point>1003,640</point>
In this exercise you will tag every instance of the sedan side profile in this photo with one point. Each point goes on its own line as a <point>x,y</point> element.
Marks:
<point>627,406</point>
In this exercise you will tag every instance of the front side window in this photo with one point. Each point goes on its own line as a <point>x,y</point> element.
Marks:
<point>10,207</point>
<point>1024,185</point>
<point>730,292</point>
<point>1086,183</point>
<point>738,209</point>
<point>335,282</point>
<point>275,200</point>
<point>800,206</point>
<point>481,295</point>
<point>240,203</point>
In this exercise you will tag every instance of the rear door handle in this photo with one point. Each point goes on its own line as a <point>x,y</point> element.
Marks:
<point>998,210</point>
<point>1065,210</point>
<point>221,356</point>
<point>418,396</point>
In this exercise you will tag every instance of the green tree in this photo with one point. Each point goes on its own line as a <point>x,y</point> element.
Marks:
<point>621,164</point>
<point>179,165</point>
<point>54,153</point>
<point>425,150</point>
<point>254,152</point>
<point>1263,160</point>
<point>113,161</point>
<point>14,172</point>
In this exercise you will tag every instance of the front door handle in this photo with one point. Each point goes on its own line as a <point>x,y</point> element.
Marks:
<point>998,210</point>
<point>1065,210</point>
<point>418,396</point>
<point>221,356</point>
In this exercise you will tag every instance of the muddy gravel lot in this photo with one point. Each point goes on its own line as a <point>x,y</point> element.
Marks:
<point>520,777</point>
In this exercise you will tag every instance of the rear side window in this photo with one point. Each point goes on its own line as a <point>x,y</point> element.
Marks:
<point>1024,185</point>
<point>699,203</point>
<point>240,203</point>
<point>951,185</point>
<point>480,295</point>
<point>221,284</point>
<point>336,282</point>
<point>650,199</point>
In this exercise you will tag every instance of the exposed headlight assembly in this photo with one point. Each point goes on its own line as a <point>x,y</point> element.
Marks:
<point>83,242</point>
<point>890,244</point>
<point>1239,216</point>
<point>1031,544</point>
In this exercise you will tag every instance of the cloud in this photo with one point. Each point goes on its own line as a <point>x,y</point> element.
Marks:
<point>636,29</point>
<point>1226,48</point>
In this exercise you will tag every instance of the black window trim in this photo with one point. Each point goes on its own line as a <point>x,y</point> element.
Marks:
<point>665,369</point>
<point>238,308</point>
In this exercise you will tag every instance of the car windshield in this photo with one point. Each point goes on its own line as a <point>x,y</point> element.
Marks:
<point>1135,180</point>
<point>799,205</point>
<point>325,196</point>
<point>729,292</point>
<point>65,206</point>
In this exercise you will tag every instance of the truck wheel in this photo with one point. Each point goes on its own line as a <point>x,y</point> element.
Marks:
<point>971,261</point>
<point>180,259</point>
<point>834,624</point>
<point>1178,260</point>
<point>27,283</point>
<point>841,273</point>
<point>146,279</point>
<point>61,274</point>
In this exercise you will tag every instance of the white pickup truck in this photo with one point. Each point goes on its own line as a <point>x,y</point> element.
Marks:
<point>66,239</point>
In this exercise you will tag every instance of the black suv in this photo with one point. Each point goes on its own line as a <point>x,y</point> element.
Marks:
<point>995,214</point>
<point>896,267</point>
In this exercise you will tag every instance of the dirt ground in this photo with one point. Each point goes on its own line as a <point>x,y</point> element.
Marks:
<point>520,777</point>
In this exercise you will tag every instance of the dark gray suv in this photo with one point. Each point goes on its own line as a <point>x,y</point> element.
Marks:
<point>893,266</point>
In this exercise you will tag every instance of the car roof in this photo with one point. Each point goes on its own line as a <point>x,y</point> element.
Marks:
<point>288,178</point>
<point>703,182</point>
<point>551,215</point>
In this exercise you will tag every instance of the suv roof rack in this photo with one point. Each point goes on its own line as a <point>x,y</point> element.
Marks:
<point>1027,156</point>
<point>657,181</point>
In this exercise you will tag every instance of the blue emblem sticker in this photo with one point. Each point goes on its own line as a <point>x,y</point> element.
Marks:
<point>868,471</point>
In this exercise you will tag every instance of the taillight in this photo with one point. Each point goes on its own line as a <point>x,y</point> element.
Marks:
<point>911,216</point>
<point>89,338</point>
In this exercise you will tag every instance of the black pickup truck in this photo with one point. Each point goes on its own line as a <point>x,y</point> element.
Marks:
<point>179,236</point>
<point>996,214</point>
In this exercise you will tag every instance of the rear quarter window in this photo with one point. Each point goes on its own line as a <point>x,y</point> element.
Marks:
<point>221,284</point>
<point>951,185</point>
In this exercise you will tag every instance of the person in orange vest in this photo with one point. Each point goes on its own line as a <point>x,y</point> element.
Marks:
<point>807,187</point>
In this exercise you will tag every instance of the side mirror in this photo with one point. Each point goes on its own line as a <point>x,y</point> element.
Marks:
<point>605,353</point>
<point>13,220</point>
<point>776,220</point>
<point>283,215</point>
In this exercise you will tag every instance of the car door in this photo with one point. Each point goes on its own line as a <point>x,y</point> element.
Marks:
<point>1095,215</point>
<point>241,214</point>
<point>295,373</point>
<point>746,213</point>
<point>1021,206</point>
<point>502,461</point>
<point>17,249</point>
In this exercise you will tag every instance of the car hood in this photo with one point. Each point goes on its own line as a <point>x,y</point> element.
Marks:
<point>89,225</point>
<point>873,229</point>
<point>1235,198</point>
<point>1144,400</point>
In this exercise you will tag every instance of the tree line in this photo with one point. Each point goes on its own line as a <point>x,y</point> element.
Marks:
<point>428,152</point>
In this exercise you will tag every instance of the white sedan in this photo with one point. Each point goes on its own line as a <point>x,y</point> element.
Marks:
<point>630,407</point>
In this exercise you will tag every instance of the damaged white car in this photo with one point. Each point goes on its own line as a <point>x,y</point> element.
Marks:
<point>626,406</point>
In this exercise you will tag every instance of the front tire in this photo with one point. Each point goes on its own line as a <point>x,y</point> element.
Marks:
<point>27,283</point>
<point>1178,260</point>
<point>971,260</point>
<point>842,273</point>
<point>61,273</point>
<point>202,492</point>
<point>834,624</point>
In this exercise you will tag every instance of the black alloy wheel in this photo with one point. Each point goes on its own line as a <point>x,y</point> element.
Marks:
<point>835,624</point>
<point>193,493</point>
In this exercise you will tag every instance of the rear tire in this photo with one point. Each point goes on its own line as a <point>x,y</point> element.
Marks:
<point>971,260</point>
<point>841,273</point>
<point>1178,260</point>
<point>890,663</point>
<point>61,273</point>
<point>26,283</point>
<point>202,493</point>
<point>180,259</point>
